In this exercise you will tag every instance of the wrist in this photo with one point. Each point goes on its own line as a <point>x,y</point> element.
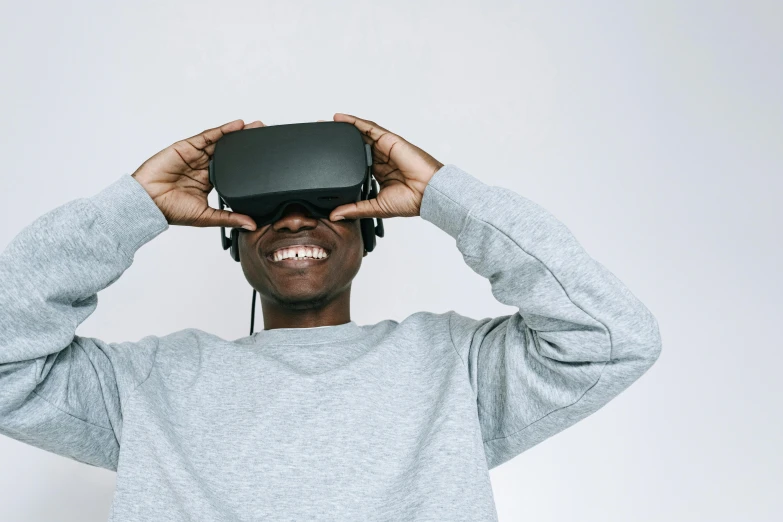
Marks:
<point>434,168</point>
<point>144,183</point>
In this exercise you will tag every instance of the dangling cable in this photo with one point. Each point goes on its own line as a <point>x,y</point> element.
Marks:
<point>253,312</point>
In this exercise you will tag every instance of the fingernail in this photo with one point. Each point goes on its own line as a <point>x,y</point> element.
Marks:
<point>247,227</point>
<point>338,218</point>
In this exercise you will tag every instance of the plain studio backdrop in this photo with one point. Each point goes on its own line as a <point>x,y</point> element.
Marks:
<point>652,130</point>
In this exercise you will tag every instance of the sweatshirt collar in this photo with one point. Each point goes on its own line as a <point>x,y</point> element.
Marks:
<point>314,335</point>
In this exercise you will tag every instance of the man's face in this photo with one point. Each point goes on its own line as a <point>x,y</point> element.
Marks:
<point>302,284</point>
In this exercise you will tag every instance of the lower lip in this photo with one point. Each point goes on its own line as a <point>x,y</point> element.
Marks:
<point>294,262</point>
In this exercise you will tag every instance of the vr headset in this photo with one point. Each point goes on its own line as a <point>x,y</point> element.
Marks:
<point>320,165</point>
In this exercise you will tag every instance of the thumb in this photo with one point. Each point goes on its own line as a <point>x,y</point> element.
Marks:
<point>224,218</point>
<point>366,208</point>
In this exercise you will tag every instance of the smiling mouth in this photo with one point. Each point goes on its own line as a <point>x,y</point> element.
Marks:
<point>297,261</point>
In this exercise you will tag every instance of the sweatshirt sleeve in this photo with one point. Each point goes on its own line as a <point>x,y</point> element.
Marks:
<point>580,336</point>
<point>59,391</point>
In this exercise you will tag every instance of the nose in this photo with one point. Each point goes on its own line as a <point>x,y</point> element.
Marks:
<point>295,216</point>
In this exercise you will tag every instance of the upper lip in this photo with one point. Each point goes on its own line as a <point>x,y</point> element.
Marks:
<point>286,243</point>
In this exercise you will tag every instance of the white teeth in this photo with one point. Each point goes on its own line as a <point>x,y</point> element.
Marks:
<point>299,252</point>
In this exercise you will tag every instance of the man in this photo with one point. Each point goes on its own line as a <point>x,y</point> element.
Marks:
<point>314,417</point>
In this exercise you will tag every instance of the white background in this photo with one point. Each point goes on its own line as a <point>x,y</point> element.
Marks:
<point>651,129</point>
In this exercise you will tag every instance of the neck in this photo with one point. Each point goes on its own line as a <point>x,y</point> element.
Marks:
<point>306,314</point>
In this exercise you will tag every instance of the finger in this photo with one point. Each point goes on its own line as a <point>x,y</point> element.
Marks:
<point>213,217</point>
<point>210,136</point>
<point>366,208</point>
<point>255,125</point>
<point>367,128</point>
<point>210,149</point>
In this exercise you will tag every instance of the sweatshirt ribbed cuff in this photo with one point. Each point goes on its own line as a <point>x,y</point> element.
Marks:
<point>129,213</point>
<point>449,197</point>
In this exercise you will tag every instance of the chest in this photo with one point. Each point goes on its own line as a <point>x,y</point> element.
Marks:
<point>384,407</point>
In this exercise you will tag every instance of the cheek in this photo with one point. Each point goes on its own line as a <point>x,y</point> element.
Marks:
<point>247,255</point>
<point>242,245</point>
<point>358,235</point>
<point>357,244</point>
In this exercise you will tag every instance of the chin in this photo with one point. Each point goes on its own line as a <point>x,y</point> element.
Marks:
<point>301,300</point>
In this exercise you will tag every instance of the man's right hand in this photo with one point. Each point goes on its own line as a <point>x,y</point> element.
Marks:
<point>177,180</point>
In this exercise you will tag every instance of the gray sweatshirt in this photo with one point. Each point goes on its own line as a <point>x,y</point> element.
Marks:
<point>381,422</point>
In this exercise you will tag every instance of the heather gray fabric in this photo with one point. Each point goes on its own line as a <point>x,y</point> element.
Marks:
<point>389,421</point>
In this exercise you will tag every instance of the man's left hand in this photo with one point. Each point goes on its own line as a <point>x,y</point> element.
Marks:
<point>401,168</point>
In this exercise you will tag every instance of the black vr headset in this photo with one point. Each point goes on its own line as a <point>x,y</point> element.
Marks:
<point>320,165</point>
